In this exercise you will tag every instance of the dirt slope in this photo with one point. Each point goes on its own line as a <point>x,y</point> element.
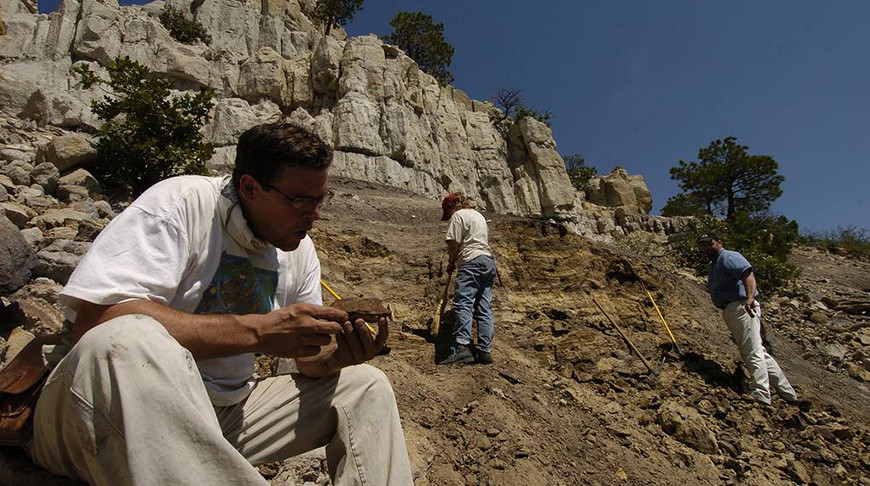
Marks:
<point>565,402</point>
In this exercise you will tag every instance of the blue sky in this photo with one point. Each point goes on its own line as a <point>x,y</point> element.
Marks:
<point>645,84</point>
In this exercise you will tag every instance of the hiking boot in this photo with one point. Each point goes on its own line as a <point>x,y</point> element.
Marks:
<point>459,353</point>
<point>802,404</point>
<point>484,357</point>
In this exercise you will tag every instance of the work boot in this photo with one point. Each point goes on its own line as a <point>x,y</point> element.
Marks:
<point>484,357</point>
<point>801,403</point>
<point>459,353</point>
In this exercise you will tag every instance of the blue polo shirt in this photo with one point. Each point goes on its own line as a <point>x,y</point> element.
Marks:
<point>724,278</point>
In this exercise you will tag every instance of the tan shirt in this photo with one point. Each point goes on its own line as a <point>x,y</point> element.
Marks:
<point>468,228</point>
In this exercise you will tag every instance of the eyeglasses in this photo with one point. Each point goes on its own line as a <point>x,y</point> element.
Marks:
<point>304,202</point>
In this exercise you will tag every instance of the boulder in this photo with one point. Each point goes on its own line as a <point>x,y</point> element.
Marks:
<point>17,213</point>
<point>619,189</point>
<point>16,342</point>
<point>18,172</point>
<point>46,175</point>
<point>17,259</point>
<point>263,76</point>
<point>67,152</point>
<point>55,218</point>
<point>230,118</point>
<point>79,182</point>
<point>98,32</point>
<point>58,260</point>
<point>687,426</point>
<point>33,237</point>
<point>325,67</point>
<point>546,166</point>
<point>38,315</point>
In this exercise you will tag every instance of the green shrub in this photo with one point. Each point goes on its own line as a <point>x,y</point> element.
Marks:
<point>765,241</point>
<point>850,241</point>
<point>542,116</point>
<point>579,173</point>
<point>149,135</point>
<point>181,28</point>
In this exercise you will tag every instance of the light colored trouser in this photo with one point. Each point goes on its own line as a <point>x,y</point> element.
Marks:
<point>128,406</point>
<point>746,332</point>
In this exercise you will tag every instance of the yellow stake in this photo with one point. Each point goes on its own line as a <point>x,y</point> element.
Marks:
<point>660,315</point>
<point>673,340</point>
<point>371,329</point>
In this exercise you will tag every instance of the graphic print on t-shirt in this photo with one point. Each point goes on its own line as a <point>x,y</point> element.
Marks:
<point>239,288</point>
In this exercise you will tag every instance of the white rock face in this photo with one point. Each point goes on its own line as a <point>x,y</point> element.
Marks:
<point>387,121</point>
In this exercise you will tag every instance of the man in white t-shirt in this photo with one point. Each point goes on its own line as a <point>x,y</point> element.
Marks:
<point>468,249</point>
<point>168,308</point>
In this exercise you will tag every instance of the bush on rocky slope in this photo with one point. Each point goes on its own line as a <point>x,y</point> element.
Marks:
<point>149,134</point>
<point>183,29</point>
<point>849,241</point>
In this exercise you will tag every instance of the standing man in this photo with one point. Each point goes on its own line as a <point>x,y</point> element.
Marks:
<point>733,289</point>
<point>169,306</point>
<point>468,248</point>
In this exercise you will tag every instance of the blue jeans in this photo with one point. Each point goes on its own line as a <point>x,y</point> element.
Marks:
<point>474,296</point>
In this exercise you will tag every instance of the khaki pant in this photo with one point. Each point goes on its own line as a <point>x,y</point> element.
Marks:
<point>746,332</point>
<point>128,406</point>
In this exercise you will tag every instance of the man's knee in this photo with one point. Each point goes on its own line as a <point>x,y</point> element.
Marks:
<point>372,381</point>
<point>125,337</point>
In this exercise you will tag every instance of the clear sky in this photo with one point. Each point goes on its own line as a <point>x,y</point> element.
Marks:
<point>644,84</point>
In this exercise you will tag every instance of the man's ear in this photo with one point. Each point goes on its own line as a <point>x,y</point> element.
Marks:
<point>249,188</point>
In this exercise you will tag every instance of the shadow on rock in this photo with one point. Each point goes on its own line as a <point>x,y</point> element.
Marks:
<point>712,372</point>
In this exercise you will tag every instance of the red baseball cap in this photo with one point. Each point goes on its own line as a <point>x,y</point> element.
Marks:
<point>448,201</point>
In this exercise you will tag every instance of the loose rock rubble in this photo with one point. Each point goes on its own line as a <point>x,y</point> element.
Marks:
<point>565,402</point>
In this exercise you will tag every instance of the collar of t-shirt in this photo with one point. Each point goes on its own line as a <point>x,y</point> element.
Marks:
<point>233,219</point>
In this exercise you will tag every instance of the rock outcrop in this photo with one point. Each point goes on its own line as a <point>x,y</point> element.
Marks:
<point>388,121</point>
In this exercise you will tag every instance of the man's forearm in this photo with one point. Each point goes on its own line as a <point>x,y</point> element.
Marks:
<point>452,250</point>
<point>750,285</point>
<point>204,335</point>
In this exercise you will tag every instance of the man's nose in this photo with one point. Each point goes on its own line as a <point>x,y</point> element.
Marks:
<point>312,213</point>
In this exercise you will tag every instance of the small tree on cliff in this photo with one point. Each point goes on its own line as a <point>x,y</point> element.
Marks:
<point>423,41</point>
<point>181,28</point>
<point>149,134</point>
<point>336,12</point>
<point>725,180</point>
<point>507,99</point>
<point>578,171</point>
<point>512,105</point>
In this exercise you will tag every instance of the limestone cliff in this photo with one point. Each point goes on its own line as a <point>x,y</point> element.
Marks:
<point>388,121</point>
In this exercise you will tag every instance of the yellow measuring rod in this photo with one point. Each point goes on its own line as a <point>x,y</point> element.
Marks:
<point>679,351</point>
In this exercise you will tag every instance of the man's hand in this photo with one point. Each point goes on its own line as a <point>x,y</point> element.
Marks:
<point>749,284</point>
<point>749,306</point>
<point>357,344</point>
<point>299,330</point>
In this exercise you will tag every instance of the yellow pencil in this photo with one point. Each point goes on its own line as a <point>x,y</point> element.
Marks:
<point>371,329</point>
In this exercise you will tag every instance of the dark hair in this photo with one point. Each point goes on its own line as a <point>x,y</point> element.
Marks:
<point>264,149</point>
<point>707,237</point>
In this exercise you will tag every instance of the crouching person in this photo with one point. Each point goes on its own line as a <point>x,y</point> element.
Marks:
<point>168,308</point>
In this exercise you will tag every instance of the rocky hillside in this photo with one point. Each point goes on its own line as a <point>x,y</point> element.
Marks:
<point>565,401</point>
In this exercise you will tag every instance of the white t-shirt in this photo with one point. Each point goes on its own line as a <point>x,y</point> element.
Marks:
<point>185,243</point>
<point>468,228</point>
